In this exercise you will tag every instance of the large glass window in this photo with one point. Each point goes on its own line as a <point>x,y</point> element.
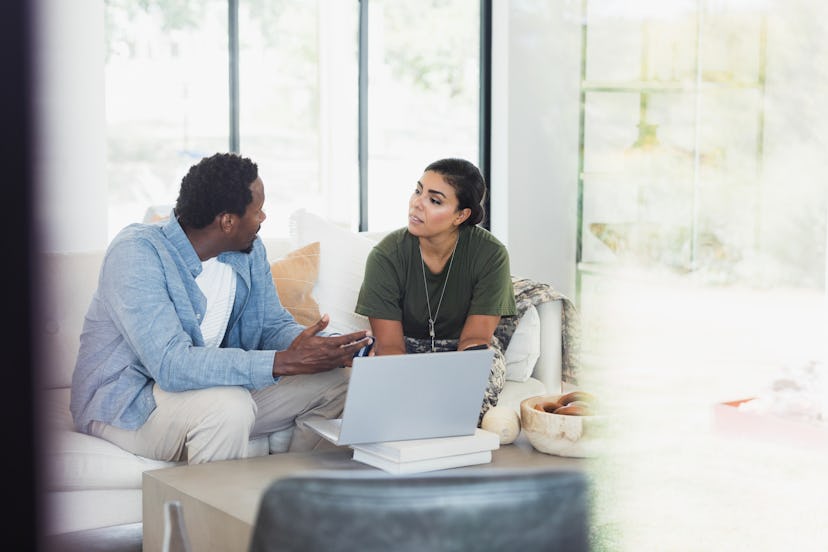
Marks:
<point>687,123</point>
<point>423,96</point>
<point>298,106</point>
<point>169,100</point>
<point>166,98</point>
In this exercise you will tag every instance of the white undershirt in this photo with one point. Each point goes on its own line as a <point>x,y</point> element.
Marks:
<point>218,283</point>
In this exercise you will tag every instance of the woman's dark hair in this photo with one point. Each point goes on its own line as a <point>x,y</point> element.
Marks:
<point>216,184</point>
<point>468,184</point>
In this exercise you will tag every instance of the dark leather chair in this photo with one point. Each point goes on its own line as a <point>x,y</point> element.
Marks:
<point>520,511</point>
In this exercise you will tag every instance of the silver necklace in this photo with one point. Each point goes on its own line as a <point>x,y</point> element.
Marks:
<point>433,318</point>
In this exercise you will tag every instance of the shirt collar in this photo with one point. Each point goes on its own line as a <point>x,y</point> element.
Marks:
<point>173,231</point>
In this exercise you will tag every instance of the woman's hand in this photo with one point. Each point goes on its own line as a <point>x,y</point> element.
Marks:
<point>474,347</point>
<point>389,335</point>
<point>478,330</point>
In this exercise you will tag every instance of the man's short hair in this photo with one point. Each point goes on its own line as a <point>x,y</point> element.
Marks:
<point>216,184</point>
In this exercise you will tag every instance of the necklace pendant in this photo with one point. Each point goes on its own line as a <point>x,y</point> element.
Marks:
<point>431,317</point>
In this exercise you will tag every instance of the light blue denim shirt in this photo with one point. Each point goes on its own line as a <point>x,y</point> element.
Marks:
<point>142,326</point>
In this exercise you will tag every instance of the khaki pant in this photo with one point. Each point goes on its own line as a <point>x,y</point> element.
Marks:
<point>217,423</point>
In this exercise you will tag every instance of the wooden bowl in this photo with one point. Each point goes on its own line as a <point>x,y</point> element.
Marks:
<point>559,434</point>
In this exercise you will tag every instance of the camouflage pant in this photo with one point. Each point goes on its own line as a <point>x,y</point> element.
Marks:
<point>496,377</point>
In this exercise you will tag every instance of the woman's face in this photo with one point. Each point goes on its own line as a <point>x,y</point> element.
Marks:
<point>432,208</point>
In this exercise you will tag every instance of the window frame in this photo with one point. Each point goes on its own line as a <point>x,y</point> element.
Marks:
<point>484,114</point>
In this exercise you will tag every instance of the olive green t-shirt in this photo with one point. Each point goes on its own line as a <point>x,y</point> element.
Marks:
<point>479,282</point>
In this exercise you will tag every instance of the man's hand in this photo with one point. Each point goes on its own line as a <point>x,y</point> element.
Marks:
<point>310,353</point>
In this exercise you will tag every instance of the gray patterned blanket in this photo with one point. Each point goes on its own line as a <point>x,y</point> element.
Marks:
<point>530,292</point>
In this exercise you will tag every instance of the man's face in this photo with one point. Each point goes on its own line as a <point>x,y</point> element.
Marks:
<point>250,223</point>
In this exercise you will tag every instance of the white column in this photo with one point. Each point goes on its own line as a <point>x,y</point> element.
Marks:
<point>499,172</point>
<point>70,151</point>
<point>535,76</point>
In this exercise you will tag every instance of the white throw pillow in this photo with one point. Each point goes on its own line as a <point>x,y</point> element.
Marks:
<point>524,347</point>
<point>342,255</point>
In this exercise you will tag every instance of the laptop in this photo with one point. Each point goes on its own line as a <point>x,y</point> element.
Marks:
<point>411,396</point>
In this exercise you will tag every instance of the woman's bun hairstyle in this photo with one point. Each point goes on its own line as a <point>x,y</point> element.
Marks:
<point>468,183</point>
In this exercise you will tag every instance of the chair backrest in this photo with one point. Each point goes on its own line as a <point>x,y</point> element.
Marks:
<point>532,510</point>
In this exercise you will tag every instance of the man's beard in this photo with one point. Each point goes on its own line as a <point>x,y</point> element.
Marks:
<point>249,248</point>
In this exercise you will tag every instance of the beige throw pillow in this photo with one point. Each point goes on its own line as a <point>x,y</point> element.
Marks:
<point>294,275</point>
<point>340,271</point>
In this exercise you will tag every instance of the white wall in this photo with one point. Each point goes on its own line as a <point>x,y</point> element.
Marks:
<point>70,157</point>
<point>535,103</point>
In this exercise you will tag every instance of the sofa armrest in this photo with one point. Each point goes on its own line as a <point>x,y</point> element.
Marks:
<point>548,369</point>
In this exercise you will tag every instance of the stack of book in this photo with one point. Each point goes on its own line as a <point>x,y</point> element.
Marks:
<point>422,455</point>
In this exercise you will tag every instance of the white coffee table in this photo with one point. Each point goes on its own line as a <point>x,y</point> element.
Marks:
<point>220,500</point>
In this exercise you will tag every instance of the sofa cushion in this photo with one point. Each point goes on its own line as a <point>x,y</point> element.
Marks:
<point>71,511</point>
<point>524,347</point>
<point>76,461</point>
<point>295,274</point>
<point>342,255</point>
<point>68,281</point>
<point>80,462</point>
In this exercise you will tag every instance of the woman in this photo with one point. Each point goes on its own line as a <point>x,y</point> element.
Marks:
<point>443,282</point>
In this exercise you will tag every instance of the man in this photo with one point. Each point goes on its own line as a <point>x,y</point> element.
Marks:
<point>186,352</point>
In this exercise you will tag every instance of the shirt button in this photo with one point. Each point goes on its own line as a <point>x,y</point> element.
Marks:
<point>198,316</point>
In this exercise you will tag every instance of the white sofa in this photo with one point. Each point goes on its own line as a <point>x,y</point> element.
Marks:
<point>90,483</point>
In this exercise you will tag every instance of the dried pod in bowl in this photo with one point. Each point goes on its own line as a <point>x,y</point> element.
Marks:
<point>548,406</point>
<point>576,396</point>
<point>574,410</point>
